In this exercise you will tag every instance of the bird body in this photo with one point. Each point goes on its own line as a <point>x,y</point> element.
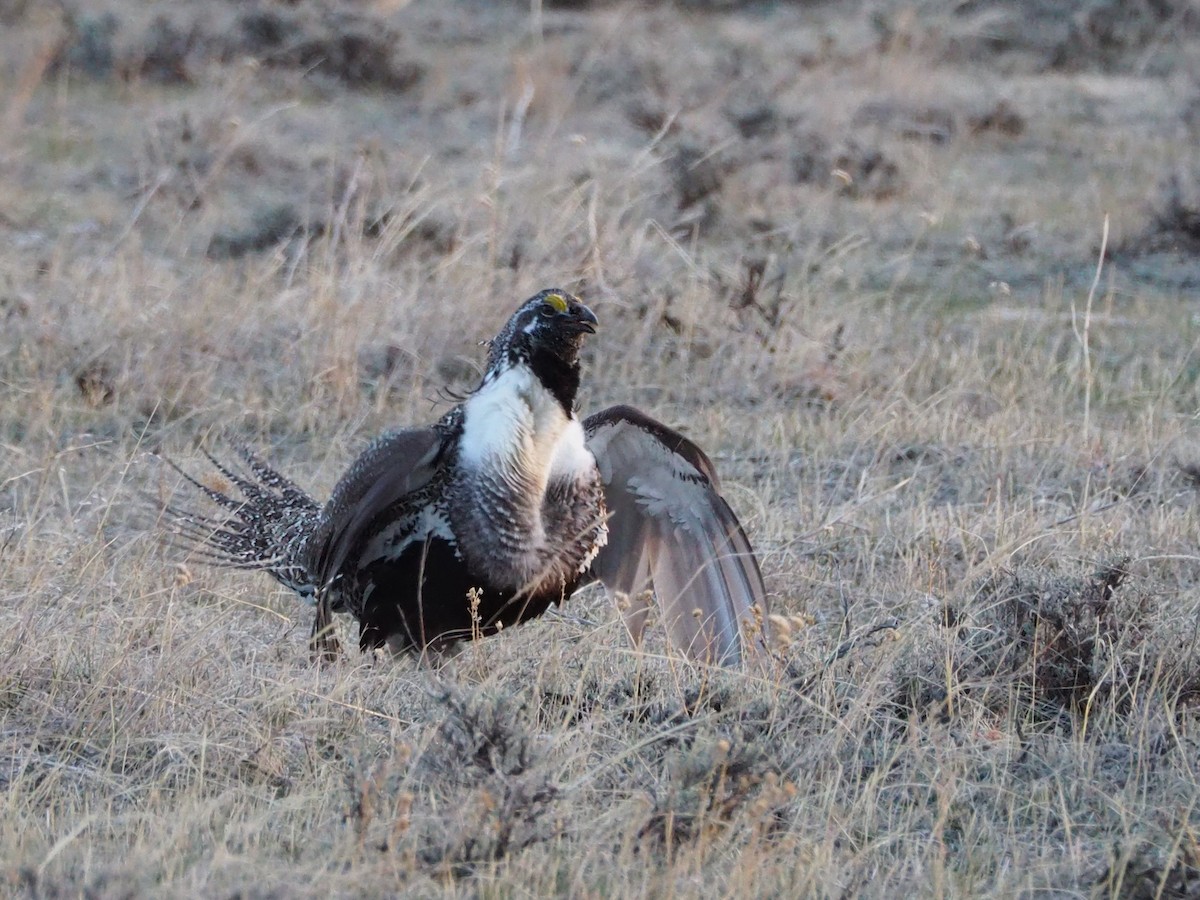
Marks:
<point>523,482</point>
<point>506,505</point>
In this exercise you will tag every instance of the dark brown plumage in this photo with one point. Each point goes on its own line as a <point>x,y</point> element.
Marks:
<point>510,498</point>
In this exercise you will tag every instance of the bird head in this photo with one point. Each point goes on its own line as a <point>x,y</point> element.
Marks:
<point>551,321</point>
<point>545,333</point>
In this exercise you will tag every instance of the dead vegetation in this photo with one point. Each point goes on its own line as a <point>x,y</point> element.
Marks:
<point>850,249</point>
<point>1176,215</point>
<point>344,45</point>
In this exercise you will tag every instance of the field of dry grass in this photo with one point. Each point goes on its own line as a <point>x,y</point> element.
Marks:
<point>850,248</point>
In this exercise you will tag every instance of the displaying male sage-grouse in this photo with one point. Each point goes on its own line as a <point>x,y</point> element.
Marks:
<point>511,499</point>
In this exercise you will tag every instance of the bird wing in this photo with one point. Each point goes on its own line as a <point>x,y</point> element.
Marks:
<point>670,529</point>
<point>391,468</point>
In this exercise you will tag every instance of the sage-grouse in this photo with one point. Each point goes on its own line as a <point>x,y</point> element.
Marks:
<point>507,504</point>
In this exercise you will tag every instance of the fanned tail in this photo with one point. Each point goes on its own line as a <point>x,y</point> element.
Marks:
<point>263,522</point>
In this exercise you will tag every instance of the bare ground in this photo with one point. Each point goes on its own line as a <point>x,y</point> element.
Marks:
<point>851,248</point>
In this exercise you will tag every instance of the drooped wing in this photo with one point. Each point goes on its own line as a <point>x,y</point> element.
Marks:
<point>392,467</point>
<point>671,530</point>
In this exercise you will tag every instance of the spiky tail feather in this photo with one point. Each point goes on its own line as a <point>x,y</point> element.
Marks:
<point>265,528</point>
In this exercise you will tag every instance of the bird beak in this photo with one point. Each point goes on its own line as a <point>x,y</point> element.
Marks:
<point>583,319</point>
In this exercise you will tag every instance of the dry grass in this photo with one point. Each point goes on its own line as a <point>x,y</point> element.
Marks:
<point>810,244</point>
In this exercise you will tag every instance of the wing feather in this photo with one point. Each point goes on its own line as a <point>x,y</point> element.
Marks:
<point>390,469</point>
<point>671,529</point>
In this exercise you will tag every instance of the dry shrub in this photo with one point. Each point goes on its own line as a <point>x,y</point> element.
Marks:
<point>866,172</point>
<point>269,228</point>
<point>1032,642</point>
<point>1037,35</point>
<point>353,47</point>
<point>1142,871</point>
<point>707,784</point>
<point>345,45</point>
<point>503,794</point>
<point>935,124</point>
<point>1118,34</point>
<point>1176,212</point>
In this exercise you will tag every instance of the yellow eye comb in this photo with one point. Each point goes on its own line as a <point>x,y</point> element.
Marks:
<point>557,301</point>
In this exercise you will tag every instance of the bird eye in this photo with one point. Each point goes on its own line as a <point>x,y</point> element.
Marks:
<point>547,311</point>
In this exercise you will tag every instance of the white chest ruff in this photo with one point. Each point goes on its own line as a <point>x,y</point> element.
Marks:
<point>525,470</point>
<point>515,427</point>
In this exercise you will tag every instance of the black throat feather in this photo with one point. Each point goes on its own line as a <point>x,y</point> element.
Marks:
<point>560,376</point>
